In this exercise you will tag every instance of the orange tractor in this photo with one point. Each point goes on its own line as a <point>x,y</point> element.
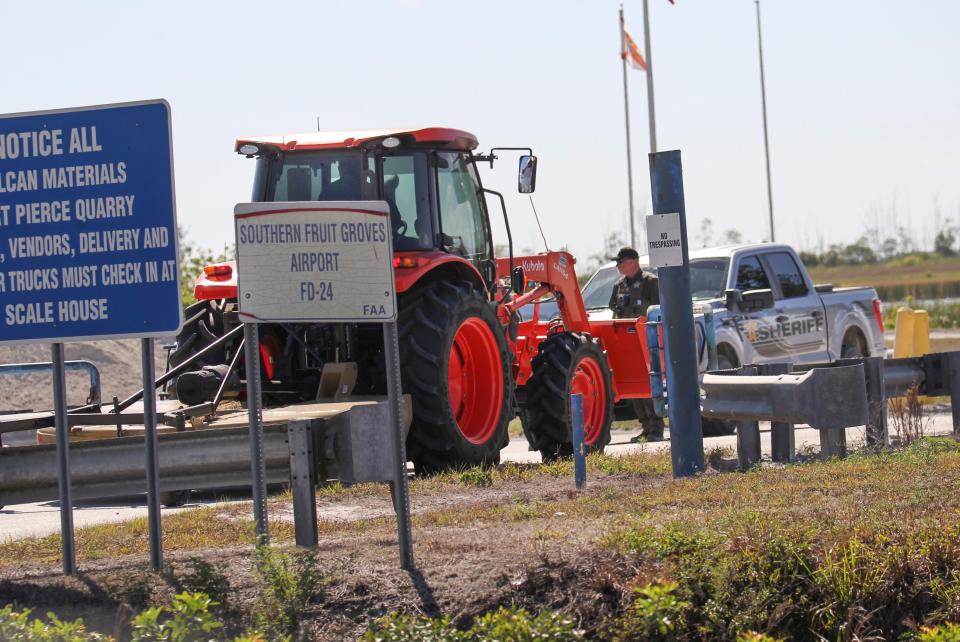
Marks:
<point>468,362</point>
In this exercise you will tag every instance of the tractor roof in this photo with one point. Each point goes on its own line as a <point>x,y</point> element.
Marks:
<point>444,137</point>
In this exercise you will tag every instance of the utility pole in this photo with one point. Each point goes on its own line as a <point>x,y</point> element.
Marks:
<point>766,139</point>
<point>651,114</point>
<point>626,112</point>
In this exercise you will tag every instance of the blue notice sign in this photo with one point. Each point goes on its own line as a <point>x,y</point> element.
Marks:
<point>88,235</point>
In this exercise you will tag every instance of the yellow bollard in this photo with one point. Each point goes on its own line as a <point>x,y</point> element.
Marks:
<point>903,342</point>
<point>921,333</point>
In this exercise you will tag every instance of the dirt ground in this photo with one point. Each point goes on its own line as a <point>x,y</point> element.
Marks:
<point>462,569</point>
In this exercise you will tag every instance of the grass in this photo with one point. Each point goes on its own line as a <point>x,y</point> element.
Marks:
<point>930,278</point>
<point>226,526</point>
<point>846,549</point>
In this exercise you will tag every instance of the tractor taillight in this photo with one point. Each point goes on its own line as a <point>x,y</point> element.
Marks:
<point>878,314</point>
<point>405,262</point>
<point>221,272</point>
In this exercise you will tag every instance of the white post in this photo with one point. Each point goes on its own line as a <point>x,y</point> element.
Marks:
<point>766,140</point>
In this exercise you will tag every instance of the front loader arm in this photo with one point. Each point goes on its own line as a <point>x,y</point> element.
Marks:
<point>550,273</point>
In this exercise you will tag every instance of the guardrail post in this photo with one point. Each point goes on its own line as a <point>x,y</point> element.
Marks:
<point>579,456</point>
<point>833,443</point>
<point>783,447</point>
<point>303,483</point>
<point>876,401</point>
<point>953,381</point>
<point>748,433</point>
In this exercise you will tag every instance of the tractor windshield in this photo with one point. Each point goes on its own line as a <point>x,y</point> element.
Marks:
<point>400,179</point>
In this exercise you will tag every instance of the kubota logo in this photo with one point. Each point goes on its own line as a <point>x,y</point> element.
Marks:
<point>532,266</point>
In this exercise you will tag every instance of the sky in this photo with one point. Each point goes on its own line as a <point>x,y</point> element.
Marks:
<point>863,100</point>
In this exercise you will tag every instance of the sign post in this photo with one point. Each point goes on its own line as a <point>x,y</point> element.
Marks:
<point>320,262</point>
<point>88,249</point>
<point>667,247</point>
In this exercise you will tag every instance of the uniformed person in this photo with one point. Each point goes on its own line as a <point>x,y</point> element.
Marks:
<point>633,293</point>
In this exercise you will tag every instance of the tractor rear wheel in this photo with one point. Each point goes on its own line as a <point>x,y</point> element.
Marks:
<point>455,363</point>
<point>566,364</point>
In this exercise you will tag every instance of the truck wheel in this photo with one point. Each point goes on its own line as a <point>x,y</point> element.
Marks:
<point>569,363</point>
<point>852,346</point>
<point>455,363</point>
<point>719,427</point>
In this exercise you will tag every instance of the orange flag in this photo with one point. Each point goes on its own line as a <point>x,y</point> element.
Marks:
<point>631,53</point>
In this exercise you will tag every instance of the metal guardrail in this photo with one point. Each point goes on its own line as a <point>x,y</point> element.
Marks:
<point>824,396</point>
<point>828,399</point>
<point>352,446</point>
<point>11,369</point>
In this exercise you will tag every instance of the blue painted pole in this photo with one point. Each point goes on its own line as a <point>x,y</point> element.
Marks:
<point>683,389</point>
<point>710,337</point>
<point>579,452</point>
<point>653,345</point>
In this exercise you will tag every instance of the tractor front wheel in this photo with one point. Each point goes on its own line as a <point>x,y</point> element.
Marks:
<point>455,364</point>
<point>568,364</point>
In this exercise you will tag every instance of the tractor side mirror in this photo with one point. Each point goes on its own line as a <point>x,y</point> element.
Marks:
<point>518,280</point>
<point>756,300</point>
<point>527,181</point>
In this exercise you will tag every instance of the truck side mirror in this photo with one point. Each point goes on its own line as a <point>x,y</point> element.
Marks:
<point>756,300</point>
<point>527,181</point>
<point>733,299</point>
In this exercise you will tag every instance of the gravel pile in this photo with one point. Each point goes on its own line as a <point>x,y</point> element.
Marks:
<point>117,360</point>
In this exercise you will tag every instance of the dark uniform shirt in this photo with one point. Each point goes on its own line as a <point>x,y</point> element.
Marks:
<point>631,297</point>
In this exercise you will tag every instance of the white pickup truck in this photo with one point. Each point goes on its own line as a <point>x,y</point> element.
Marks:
<point>766,308</point>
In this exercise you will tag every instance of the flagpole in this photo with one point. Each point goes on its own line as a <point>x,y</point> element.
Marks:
<point>626,113</point>
<point>650,110</point>
<point>766,140</point>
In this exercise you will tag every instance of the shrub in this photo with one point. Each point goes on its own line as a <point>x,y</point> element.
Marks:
<point>503,625</point>
<point>207,578</point>
<point>656,614</point>
<point>398,627</point>
<point>18,626</point>
<point>943,633</point>
<point>289,582</point>
<point>517,625</point>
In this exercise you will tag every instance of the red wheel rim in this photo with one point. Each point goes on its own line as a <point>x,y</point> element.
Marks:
<point>475,380</point>
<point>588,381</point>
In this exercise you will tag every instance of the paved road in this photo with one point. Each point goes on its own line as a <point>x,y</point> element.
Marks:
<point>39,519</point>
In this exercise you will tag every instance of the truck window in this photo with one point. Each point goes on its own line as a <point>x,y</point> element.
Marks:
<point>707,277</point>
<point>788,274</point>
<point>751,275</point>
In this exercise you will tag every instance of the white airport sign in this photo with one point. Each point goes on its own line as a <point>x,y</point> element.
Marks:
<point>315,262</point>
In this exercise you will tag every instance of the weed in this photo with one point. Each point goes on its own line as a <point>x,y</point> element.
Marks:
<point>508,624</point>
<point>133,591</point>
<point>208,579</point>
<point>477,477</point>
<point>517,625</point>
<point>656,614</point>
<point>943,633</point>
<point>398,627</point>
<point>18,626</point>
<point>907,416</point>
<point>187,620</point>
<point>290,581</point>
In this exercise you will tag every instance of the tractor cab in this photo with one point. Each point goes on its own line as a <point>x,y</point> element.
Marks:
<point>428,178</point>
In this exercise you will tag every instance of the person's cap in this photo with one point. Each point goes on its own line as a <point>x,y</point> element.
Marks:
<point>624,254</point>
